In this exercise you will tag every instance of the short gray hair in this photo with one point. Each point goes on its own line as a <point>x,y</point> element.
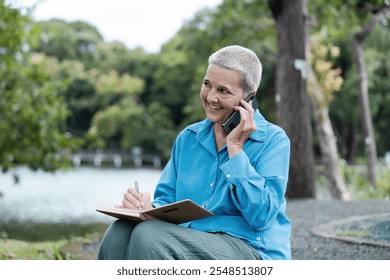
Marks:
<point>241,60</point>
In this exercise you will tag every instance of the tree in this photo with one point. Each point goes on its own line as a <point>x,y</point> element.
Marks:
<point>379,14</point>
<point>116,56</point>
<point>30,109</point>
<point>119,112</point>
<point>342,21</point>
<point>291,88</point>
<point>74,40</point>
<point>379,65</point>
<point>79,94</point>
<point>323,80</point>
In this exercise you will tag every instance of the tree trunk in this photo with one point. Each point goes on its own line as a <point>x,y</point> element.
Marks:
<point>369,140</point>
<point>368,129</point>
<point>327,141</point>
<point>291,93</point>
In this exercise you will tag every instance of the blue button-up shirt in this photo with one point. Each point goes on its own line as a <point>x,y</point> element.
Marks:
<point>245,193</point>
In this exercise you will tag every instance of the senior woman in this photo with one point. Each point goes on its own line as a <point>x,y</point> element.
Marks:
<point>241,177</point>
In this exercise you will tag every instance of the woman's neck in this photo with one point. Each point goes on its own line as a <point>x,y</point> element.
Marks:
<point>220,137</point>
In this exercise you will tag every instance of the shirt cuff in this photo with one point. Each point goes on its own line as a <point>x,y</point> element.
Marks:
<point>237,169</point>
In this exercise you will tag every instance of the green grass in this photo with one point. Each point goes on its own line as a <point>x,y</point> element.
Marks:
<point>23,250</point>
<point>355,178</point>
<point>353,233</point>
<point>49,250</point>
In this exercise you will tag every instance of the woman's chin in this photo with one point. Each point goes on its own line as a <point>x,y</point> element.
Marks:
<point>215,119</point>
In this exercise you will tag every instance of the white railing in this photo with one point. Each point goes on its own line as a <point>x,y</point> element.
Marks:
<point>136,158</point>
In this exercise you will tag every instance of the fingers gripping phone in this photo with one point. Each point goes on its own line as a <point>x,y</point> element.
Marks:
<point>235,118</point>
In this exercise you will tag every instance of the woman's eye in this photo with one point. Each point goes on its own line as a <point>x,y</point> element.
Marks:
<point>206,84</point>
<point>224,91</point>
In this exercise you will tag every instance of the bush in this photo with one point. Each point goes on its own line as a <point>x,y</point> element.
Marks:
<point>357,183</point>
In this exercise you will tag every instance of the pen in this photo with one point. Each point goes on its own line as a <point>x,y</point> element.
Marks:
<point>137,190</point>
<point>136,186</point>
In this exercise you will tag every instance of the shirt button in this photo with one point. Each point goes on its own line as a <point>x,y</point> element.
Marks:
<point>228,175</point>
<point>211,185</point>
<point>258,238</point>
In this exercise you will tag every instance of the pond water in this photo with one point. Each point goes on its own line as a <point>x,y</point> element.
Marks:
<point>44,205</point>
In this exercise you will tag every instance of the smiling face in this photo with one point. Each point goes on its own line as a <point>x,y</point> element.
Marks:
<point>220,92</point>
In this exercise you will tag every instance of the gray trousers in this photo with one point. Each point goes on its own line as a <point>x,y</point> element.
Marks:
<point>157,240</point>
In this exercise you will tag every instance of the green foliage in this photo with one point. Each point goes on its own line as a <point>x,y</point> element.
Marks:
<point>353,233</point>
<point>31,110</point>
<point>20,250</point>
<point>346,118</point>
<point>172,80</point>
<point>73,41</point>
<point>322,59</point>
<point>357,183</point>
<point>377,54</point>
<point>13,34</point>
<point>355,178</point>
<point>113,87</point>
<point>47,250</point>
<point>118,97</point>
<point>116,56</point>
<point>339,22</point>
<point>160,130</point>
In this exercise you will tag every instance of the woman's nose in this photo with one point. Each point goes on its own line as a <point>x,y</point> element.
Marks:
<point>212,96</point>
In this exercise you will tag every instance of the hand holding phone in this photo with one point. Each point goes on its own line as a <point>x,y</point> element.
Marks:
<point>235,118</point>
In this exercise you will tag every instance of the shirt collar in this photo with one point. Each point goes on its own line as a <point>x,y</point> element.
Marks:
<point>261,128</point>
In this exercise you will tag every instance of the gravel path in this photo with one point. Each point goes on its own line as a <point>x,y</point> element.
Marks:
<point>308,213</point>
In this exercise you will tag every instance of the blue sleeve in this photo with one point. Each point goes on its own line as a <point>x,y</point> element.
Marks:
<point>258,184</point>
<point>166,188</point>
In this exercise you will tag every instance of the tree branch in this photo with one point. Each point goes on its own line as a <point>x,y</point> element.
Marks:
<point>381,14</point>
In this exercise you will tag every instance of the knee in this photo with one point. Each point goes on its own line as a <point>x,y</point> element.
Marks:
<point>148,232</point>
<point>150,241</point>
<point>115,239</point>
<point>119,227</point>
<point>145,240</point>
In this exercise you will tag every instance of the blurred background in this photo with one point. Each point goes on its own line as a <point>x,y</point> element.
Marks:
<point>93,94</point>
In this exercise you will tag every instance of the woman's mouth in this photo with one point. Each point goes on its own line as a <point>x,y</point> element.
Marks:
<point>212,107</point>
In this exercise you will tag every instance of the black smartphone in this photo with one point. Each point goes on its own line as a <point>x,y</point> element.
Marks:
<point>235,118</point>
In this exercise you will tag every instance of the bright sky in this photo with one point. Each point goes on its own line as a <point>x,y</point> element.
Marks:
<point>145,23</point>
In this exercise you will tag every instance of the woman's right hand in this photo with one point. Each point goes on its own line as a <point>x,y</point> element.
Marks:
<point>135,200</point>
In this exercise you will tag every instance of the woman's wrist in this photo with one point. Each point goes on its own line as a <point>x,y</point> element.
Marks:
<point>234,150</point>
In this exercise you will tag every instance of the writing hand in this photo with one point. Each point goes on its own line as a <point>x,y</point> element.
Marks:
<point>135,200</point>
